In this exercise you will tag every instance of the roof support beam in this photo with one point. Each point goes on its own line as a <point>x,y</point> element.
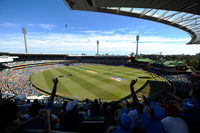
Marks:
<point>118,10</point>
<point>163,14</point>
<point>149,10</point>
<point>174,21</point>
<point>194,27</point>
<point>192,24</point>
<point>155,10</point>
<point>143,12</point>
<point>131,10</point>
<point>186,19</point>
<point>170,16</point>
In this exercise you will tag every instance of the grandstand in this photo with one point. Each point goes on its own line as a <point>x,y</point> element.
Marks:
<point>14,82</point>
<point>170,67</point>
<point>153,102</point>
<point>36,61</point>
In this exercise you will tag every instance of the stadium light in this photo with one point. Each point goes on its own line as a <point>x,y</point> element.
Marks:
<point>97,47</point>
<point>137,39</point>
<point>25,32</point>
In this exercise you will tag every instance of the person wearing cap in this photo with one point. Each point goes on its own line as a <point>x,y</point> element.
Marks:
<point>158,111</point>
<point>135,118</point>
<point>124,125</point>
<point>150,120</point>
<point>190,109</point>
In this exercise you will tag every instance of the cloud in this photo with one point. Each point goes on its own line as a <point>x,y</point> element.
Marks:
<point>47,26</point>
<point>33,25</point>
<point>44,26</point>
<point>9,25</point>
<point>158,39</point>
<point>110,32</point>
<point>77,43</point>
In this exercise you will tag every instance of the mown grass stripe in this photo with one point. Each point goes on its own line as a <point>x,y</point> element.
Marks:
<point>48,78</point>
<point>84,83</point>
<point>116,69</point>
<point>111,72</point>
<point>92,86</point>
<point>62,88</point>
<point>124,85</point>
<point>73,87</point>
<point>99,80</point>
<point>124,76</point>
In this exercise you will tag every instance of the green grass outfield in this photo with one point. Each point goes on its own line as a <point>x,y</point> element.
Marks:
<point>92,81</point>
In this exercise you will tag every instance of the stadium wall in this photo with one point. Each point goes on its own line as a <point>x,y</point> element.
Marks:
<point>111,60</point>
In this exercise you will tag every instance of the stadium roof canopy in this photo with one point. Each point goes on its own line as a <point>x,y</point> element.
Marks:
<point>182,14</point>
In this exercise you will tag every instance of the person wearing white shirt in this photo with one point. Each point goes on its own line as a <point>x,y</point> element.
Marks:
<point>172,123</point>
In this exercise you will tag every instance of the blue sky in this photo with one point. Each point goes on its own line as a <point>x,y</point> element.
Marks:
<point>46,20</point>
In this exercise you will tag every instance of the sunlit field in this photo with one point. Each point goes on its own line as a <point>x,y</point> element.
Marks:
<point>94,81</point>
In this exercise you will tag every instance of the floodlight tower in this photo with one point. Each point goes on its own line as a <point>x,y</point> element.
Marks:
<point>137,39</point>
<point>97,47</point>
<point>24,32</point>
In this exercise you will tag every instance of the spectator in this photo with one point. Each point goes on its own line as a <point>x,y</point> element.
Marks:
<point>158,112</point>
<point>191,106</point>
<point>191,110</point>
<point>94,109</point>
<point>64,106</point>
<point>86,104</point>
<point>8,117</point>
<point>150,121</point>
<point>124,125</point>
<point>173,123</point>
<point>135,119</point>
<point>70,120</point>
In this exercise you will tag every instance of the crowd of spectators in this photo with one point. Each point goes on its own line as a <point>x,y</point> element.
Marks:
<point>174,115</point>
<point>16,82</point>
<point>8,64</point>
<point>180,83</point>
